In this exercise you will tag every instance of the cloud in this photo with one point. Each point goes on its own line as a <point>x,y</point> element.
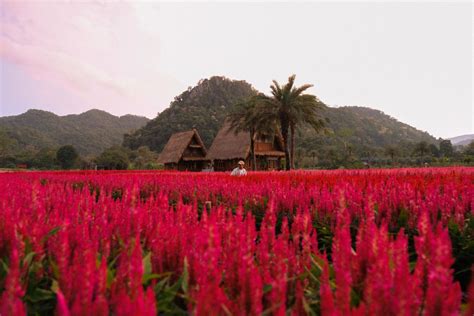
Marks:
<point>103,52</point>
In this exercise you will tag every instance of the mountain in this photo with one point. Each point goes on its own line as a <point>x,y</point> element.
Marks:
<point>361,131</point>
<point>205,106</point>
<point>90,132</point>
<point>462,140</point>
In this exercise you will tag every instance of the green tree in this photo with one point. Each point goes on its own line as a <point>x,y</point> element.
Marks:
<point>114,158</point>
<point>469,150</point>
<point>345,134</point>
<point>422,148</point>
<point>45,159</point>
<point>291,107</point>
<point>144,158</point>
<point>391,151</point>
<point>249,117</point>
<point>67,156</point>
<point>446,148</point>
<point>8,145</point>
<point>433,150</point>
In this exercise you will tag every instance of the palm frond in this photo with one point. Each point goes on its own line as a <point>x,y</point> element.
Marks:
<point>286,91</point>
<point>276,89</point>
<point>298,91</point>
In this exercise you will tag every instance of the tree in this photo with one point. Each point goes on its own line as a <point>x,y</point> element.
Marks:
<point>8,145</point>
<point>446,148</point>
<point>250,117</point>
<point>391,151</point>
<point>313,157</point>
<point>422,148</point>
<point>67,156</point>
<point>45,159</point>
<point>145,158</point>
<point>433,150</point>
<point>114,158</point>
<point>469,150</point>
<point>291,107</point>
<point>345,134</point>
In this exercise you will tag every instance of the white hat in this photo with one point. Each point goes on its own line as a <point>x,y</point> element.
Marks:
<point>241,162</point>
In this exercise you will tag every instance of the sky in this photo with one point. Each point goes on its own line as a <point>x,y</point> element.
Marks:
<point>412,60</point>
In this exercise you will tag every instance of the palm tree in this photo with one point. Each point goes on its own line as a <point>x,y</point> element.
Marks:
<point>250,117</point>
<point>291,107</point>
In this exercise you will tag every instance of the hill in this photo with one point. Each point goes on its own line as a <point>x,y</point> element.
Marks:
<point>205,106</point>
<point>361,132</point>
<point>90,132</point>
<point>462,140</point>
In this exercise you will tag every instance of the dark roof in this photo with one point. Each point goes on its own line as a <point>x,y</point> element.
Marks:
<point>228,145</point>
<point>177,144</point>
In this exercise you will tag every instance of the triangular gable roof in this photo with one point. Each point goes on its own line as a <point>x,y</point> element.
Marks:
<point>228,145</point>
<point>177,144</point>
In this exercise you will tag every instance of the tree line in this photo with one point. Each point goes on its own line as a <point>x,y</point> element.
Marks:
<point>289,108</point>
<point>67,157</point>
<point>288,112</point>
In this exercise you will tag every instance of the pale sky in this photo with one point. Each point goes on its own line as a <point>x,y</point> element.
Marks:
<point>412,60</point>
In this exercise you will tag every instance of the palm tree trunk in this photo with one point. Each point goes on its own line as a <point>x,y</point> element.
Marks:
<point>292,130</point>
<point>284,133</point>
<point>252,150</point>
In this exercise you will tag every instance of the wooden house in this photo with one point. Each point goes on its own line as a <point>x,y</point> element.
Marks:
<point>228,148</point>
<point>184,151</point>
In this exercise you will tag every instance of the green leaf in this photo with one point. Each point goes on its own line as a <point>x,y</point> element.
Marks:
<point>54,268</point>
<point>55,286</point>
<point>39,295</point>
<point>52,232</point>
<point>28,258</point>
<point>267,288</point>
<point>110,276</point>
<point>307,307</point>
<point>152,276</point>
<point>175,287</point>
<point>355,298</point>
<point>160,285</point>
<point>185,276</point>
<point>147,264</point>
<point>112,263</point>
<point>4,265</point>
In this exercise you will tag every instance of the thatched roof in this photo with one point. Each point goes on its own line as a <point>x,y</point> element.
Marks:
<point>228,145</point>
<point>176,146</point>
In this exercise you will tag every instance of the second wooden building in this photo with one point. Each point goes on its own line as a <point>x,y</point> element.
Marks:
<point>228,148</point>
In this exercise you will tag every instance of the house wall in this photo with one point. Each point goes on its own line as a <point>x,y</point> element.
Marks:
<point>264,146</point>
<point>226,165</point>
<point>187,165</point>
<point>170,166</point>
<point>191,165</point>
<point>194,152</point>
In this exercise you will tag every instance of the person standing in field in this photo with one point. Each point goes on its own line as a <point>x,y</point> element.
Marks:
<point>240,170</point>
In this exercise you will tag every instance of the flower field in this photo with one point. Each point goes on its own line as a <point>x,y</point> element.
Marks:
<point>361,242</point>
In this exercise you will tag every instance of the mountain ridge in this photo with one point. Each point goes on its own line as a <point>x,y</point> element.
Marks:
<point>205,106</point>
<point>358,131</point>
<point>90,132</point>
<point>462,140</point>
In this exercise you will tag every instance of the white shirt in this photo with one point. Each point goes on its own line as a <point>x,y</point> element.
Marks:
<point>239,172</point>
